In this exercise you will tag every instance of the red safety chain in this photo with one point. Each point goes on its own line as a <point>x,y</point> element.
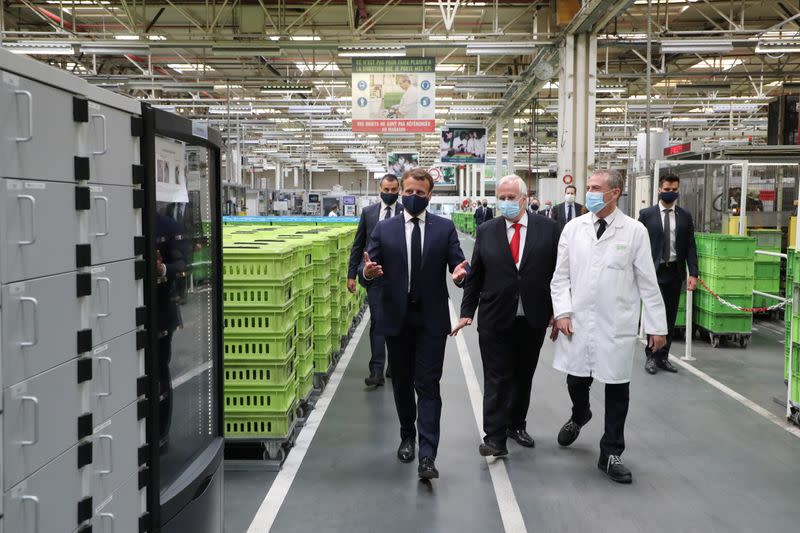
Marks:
<point>726,303</point>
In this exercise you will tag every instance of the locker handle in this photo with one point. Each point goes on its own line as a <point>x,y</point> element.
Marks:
<point>32,200</point>
<point>105,137</point>
<point>110,468</point>
<point>35,303</point>
<point>104,199</point>
<point>35,501</point>
<point>107,516</point>
<point>107,360</point>
<point>108,297</point>
<point>35,401</point>
<point>29,97</point>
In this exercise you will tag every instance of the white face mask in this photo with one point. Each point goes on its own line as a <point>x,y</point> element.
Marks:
<point>569,198</point>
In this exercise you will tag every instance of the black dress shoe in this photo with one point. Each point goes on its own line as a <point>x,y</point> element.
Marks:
<point>490,448</point>
<point>406,451</point>
<point>650,366</point>
<point>522,437</point>
<point>374,380</point>
<point>427,469</point>
<point>570,431</point>
<point>388,373</point>
<point>613,467</point>
<point>667,366</point>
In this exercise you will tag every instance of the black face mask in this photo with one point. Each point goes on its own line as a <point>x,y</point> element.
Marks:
<point>484,205</point>
<point>535,207</point>
<point>414,204</point>
<point>389,198</point>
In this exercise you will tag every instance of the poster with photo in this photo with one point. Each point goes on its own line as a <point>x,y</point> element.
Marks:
<point>171,171</point>
<point>398,163</point>
<point>443,176</point>
<point>394,95</point>
<point>463,145</point>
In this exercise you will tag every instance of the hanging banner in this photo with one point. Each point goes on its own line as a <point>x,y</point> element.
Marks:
<point>394,95</point>
<point>398,163</point>
<point>463,145</point>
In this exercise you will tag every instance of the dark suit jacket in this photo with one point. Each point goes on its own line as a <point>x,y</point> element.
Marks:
<point>441,251</point>
<point>483,214</point>
<point>366,224</point>
<point>495,283</point>
<point>558,214</point>
<point>685,247</point>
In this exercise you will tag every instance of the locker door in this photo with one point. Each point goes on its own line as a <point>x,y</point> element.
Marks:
<point>113,222</point>
<point>47,502</point>
<point>39,228</point>
<point>115,452</point>
<point>115,293</point>
<point>116,366</point>
<point>113,150</point>
<point>37,131</point>
<point>41,319</point>
<point>120,512</point>
<point>40,420</point>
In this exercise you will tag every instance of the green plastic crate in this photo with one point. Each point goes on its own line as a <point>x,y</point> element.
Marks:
<point>770,286</point>
<point>259,373</point>
<point>322,270</point>
<point>266,425</point>
<point>734,286</point>
<point>258,321</point>
<point>708,303</point>
<point>305,365</point>
<point>305,323</point>
<point>768,259</point>
<point>257,293</point>
<point>322,363</point>
<point>261,399</point>
<point>718,245</point>
<point>768,270</point>
<point>767,238</point>
<point>305,384</point>
<point>258,347</point>
<point>726,267</point>
<point>304,303</point>
<point>323,344</point>
<point>795,325</point>
<point>248,261</point>
<point>722,324</point>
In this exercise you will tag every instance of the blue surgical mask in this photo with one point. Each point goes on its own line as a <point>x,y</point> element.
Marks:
<point>595,202</point>
<point>509,208</point>
<point>414,204</point>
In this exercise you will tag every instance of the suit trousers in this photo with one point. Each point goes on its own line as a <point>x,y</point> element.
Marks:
<point>416,361</point>
<point>377,341</point>
<point>509,362</point>
<point>617,400</point>
<point>670,281</point>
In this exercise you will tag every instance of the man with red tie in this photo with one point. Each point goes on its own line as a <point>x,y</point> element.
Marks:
<point>512,265</point>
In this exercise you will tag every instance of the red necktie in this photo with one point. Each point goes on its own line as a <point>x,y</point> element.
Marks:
<point>515,243</point>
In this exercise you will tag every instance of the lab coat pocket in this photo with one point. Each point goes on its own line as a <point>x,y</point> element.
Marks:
<point>618,257</point>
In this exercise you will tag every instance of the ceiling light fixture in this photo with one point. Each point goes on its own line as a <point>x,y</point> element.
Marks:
<point>40,49</point>
<point>778,47</point>
<point>501,49</point>
<point>372,51</point>
<point>696,46</point>
<point>285,89</point>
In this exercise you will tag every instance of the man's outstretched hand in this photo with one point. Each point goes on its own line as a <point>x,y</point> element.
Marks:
<point>460,272</point>
<point>372,270</point>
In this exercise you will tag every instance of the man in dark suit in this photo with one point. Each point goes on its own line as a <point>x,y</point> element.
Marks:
<point>386,208</point>
<point>672,244</point>
<point>483,213</point>
<point>569,209</point>
<point>512,265</point>
<point>411,253</point>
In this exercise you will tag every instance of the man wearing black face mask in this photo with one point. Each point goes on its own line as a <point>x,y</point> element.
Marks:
<point>411,254</point>
<point>483,213</point>
<point>370,216</point>
<point>672,244</point>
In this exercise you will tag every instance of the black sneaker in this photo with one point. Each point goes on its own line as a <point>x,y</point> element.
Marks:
<point>570,431</point>
<point>612,465</point>
<point>650,366</point>
<point>666,366</point>
<point>374,380</point>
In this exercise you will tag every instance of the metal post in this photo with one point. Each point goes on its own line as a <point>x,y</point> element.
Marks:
<point>743,202</point>
<point>511,167</point>
<point>483,180</point>
<point>460,181</point>
<point>498,151</point>
<point>687,355</point>
<point>474,179</point>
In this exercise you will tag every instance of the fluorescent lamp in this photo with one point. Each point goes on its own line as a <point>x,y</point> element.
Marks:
<point>40,49</point>
<point>736,107</point>
<point>254,50</point>
<point>478,110</point>
<point>685,121</point>
<point>285,89</point>
<point>126,37</point>
<point>654,108</point>
<point>610,89</point>
<point>305,38</point>
<point>372,51</point>
<point>778,47</point>
<point>501,49</point>
<point>692,46</point>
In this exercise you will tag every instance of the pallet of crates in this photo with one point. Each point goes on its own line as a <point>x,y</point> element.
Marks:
<point>767,276</point>
<point>792,363</point>
<point>260,329</point>
<point>726,264</point>
<point>787,312</point>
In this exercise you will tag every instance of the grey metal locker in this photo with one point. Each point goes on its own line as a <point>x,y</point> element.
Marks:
<point>40,323</point>
<point>116,366</point>
<point>40,420</point>
<point>39,229</point>
<point>119,512</point>
<point>47,502</point>
<point>38,136</point>
<point>113,222</point>
<point>112,149</point>
<point>115,296</point>
<point>115,452</point>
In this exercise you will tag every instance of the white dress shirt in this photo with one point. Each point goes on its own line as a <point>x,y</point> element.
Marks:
<point>523,233</point>
<point>673,255</point>
<point>409,228</point>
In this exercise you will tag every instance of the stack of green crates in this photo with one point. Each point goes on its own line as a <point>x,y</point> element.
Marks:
<point>680,319</point>
<point>767,276</point>
<point>791,369</point>
<point>260,327</point>
<point>464,221</point>
<point>726,263</point>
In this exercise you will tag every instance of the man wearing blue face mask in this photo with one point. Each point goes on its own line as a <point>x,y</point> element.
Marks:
<point>411,255</point>
<point>671,232</point>
<point>370,215</point>
<point>603,273</point>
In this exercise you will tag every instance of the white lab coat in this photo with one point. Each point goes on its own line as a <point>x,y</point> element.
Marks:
<point>409,103</point>
<point>600,284</point>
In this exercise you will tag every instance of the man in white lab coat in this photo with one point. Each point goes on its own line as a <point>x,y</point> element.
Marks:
<point>604,270</point>
<point>409,103</point>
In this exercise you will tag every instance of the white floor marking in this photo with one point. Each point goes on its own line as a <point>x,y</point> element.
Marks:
<point>778,421</point>
<point>506,499</point>
<point>273,501</point>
